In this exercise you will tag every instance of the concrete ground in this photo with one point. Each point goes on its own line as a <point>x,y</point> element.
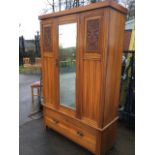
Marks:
<point>25,102</point>
<point>35,140</point>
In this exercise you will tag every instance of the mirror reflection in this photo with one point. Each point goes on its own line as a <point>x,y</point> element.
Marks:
<point>67,63</point>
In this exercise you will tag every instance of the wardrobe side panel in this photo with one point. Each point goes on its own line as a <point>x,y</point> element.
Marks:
<point>113,65</point>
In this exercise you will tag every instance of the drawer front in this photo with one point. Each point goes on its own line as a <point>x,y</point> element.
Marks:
<point>73,130</point>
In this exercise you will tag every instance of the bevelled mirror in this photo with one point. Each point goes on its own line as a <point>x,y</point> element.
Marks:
<point>67,64</point>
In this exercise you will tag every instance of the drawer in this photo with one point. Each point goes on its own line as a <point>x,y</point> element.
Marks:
<point>69,120</point>
<point>72,130</point>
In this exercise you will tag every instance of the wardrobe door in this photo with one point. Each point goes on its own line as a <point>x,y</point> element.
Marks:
<point>91,65</point>
<point>48,62</point>
<point>67,69</point>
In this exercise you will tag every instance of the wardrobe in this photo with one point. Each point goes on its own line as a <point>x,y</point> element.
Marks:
<point>81,50</point>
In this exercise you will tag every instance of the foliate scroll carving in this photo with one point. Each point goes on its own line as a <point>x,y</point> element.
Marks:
<point>92,36</point>
<point>47,38</point>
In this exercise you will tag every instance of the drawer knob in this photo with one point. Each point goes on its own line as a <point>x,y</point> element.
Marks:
<point>80,134</point>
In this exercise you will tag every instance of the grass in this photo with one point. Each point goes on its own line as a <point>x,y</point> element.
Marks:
<point>29,70</point>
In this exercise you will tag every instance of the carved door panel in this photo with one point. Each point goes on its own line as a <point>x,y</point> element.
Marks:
<point>92,34</point>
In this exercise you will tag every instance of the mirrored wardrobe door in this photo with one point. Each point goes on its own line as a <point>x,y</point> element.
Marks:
<point>67,64</point>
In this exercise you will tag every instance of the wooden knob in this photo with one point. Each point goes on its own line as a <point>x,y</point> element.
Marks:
<point>80,134</point>
<point>55,121</point>
<point>57,62</point>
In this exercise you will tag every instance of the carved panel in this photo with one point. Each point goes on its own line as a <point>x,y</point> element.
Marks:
<point>47,39</point>
<point>92,35</point>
